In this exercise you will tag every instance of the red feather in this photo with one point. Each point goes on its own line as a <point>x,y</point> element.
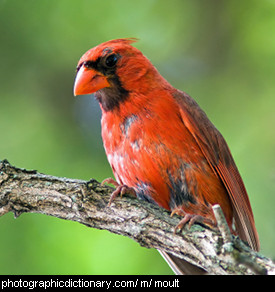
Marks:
<point>218,155</point>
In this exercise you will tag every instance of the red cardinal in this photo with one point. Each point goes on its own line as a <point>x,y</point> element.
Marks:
<point>160,144</point>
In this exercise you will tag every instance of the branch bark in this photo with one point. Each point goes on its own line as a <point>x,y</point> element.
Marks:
<point>86,202</point>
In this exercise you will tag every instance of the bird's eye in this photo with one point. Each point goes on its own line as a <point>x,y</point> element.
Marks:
<point>111,61</point>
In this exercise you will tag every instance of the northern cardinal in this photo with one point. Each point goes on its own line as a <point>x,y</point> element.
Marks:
<point>160,144</point>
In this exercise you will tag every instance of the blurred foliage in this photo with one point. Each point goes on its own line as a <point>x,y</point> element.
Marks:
<point>221,52</point>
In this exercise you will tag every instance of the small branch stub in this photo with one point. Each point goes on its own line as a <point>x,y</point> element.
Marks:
<point>222,224</point>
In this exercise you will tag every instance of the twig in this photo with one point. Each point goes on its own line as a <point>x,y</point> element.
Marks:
<point>238,254</point>
<point>152,227</point>
<point>222,224</point>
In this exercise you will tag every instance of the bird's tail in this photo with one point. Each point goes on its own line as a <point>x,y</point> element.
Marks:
<point>181,266</point>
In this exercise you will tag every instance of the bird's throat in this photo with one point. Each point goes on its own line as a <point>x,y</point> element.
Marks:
<point>110,98</point>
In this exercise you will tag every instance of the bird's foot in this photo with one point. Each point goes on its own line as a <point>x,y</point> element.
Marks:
<point>120,189</point>
<point>111,181</point>
<point>191,218</point>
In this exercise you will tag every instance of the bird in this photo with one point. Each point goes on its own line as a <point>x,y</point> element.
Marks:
<point>161,145</point>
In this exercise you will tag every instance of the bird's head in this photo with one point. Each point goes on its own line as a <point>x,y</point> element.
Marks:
<point>113,69</point>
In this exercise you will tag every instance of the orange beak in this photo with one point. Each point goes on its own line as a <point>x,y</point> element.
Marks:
<point>88,81</point>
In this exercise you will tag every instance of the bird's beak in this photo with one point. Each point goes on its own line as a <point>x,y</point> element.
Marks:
<point>88,81</point>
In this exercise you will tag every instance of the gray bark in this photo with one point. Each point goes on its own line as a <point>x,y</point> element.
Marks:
<point>152,227</point>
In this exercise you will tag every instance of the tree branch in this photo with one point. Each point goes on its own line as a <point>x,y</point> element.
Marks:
<point>152,227</point>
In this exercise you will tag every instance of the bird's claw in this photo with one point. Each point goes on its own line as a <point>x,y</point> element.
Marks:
<point>191,218</point>
<point>120,189</point>
<point>111,181</point>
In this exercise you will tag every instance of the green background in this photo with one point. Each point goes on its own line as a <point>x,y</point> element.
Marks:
<point>220,52</point>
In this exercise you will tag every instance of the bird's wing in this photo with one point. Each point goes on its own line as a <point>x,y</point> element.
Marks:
<point>217,153</point>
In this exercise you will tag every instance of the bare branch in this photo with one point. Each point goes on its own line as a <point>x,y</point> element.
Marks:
<point>152,227</point>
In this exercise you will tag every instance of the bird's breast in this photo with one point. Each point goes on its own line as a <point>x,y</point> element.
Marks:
<point>151,151</point>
